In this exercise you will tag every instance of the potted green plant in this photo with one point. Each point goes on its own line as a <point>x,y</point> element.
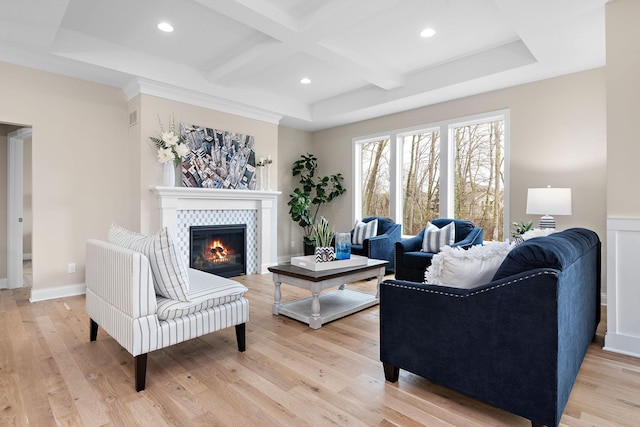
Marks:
<point>313,192</point>
<point>519,228</point>
<point>322,236</point>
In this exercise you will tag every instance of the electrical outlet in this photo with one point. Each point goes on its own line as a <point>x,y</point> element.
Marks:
<point>293,244</point>
<point>72,267</point>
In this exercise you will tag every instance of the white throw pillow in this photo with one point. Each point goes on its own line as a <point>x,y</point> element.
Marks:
<point>206,291</point>
<point>535,232</point>
<point>538,232</point>
<point>170,277</point>
<point>435,238</point>
<point>364,230</point>
<point>466,268</point>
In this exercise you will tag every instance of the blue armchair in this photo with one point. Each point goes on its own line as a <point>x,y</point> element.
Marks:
<point>411,262</point>
<point>382,245</point>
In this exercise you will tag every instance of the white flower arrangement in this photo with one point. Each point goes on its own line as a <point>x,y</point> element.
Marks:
<point>171,145</point>
<point>264,162</point>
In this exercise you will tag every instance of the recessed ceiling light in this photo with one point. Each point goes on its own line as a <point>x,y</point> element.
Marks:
<point>165,26</point>
<point>427,32</point>
<point>305,80</point>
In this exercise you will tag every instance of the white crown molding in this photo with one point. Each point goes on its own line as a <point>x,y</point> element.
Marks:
<point>149,87</point>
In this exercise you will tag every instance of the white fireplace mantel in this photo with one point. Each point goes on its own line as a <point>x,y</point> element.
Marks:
<point>174,199</point>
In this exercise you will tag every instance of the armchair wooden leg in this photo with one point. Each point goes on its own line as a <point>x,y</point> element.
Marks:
<point>93,330</point>
<point>534,424</point>
<point>391,373</point>
<point>141,371</point>
<point>241,336</point>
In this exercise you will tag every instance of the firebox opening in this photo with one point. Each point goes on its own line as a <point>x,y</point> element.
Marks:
<point>218,249</point>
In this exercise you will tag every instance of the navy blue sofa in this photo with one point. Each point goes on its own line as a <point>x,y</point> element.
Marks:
<point>381,245</point>
<point>411,262</point>
<point>517,342</point>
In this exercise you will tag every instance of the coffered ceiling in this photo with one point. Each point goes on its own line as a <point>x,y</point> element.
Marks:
<point>365,58</point>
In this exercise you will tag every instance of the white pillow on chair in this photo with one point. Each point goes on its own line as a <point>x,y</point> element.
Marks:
<point>435,238</point>
<point>364,230</point>
<point>170,277</point>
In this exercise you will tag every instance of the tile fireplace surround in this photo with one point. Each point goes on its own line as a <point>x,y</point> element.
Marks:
<point>257,209</point>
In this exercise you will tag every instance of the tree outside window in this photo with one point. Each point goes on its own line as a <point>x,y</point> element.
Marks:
<point>375,178</point>
<point>479,176</point>
<point>420,180</point>
<point>470,185</point>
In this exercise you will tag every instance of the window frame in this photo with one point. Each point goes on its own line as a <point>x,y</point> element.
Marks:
<point>446,129</point>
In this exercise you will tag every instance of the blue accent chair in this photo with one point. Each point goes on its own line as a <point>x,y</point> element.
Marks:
<point>516,342</point>
<point>382,245</point>
<point>411,262</point>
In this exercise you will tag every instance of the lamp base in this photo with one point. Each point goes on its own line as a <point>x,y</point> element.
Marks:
<point>547,221</point>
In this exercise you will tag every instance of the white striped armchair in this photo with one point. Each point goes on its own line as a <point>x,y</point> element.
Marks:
<point>121,299</point>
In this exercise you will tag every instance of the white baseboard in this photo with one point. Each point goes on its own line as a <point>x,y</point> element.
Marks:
<point>623,344</point>
<point>57,292</point>
<point>3,283</point>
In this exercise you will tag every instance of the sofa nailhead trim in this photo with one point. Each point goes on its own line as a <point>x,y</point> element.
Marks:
<point>448,294</point>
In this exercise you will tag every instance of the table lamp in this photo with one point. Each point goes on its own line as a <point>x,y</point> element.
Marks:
<point>548,201</point>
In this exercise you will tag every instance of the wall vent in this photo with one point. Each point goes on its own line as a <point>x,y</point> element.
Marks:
<point>133,118</point>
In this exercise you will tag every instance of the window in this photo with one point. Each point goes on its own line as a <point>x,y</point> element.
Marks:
<point>479,176</point>
<point>375,178</point>
<point>420,179</point>
<point>452,169</point>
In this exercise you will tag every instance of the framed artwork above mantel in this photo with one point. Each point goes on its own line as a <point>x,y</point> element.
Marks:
<point>218,159</point>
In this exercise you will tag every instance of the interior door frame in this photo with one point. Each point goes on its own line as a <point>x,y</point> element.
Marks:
<point>15,202</point>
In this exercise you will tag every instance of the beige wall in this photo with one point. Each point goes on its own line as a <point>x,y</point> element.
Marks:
<point>291,144</point>
<point>623,151</point>
<point>558,138</point>
<point>79,146</point>
<point>150,173</point>
<point>91,168</point>
<point>623,108</point>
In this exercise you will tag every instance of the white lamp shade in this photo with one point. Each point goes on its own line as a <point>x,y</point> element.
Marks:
<point>549,201</point>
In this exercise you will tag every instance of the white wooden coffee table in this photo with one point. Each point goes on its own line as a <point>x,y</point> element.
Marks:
<point>321,308</point>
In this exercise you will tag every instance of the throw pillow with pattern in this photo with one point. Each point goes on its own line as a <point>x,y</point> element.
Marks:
<point>435,238</point>
<point>364,230</point>
<point>170,277</point>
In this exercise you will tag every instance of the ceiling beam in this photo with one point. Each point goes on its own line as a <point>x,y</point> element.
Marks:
<point>309,36</point>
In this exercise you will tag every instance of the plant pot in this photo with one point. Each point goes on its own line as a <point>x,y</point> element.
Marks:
<point>309,249</point>
<point>325,254</point>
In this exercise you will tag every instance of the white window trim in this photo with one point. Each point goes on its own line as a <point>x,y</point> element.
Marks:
<point>446,150</point>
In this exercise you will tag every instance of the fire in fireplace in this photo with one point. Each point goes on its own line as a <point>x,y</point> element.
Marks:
<point>218,249</point>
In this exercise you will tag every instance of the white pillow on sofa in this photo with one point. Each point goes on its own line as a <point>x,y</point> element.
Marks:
<point>170,277</point>
<point>535,232</point>
<point>538,232</point>
<point>466,268</point>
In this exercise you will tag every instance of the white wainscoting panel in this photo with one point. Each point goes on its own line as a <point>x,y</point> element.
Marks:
<point>623,286</point>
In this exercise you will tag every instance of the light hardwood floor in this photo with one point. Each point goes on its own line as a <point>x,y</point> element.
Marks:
<point>290,375</point>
